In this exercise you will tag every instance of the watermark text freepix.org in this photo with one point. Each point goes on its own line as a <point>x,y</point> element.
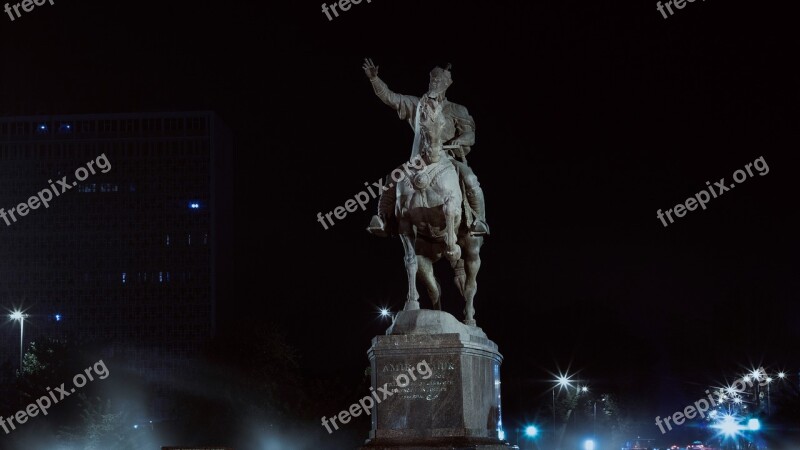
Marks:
<point>45,196</point>
<point>355,410</point>
<point>344,5</point>
<point>60,393</point>
<point>703,197</point>
<point>362,198</point>
<point>701,406</point>
<point>27,6</point>
<point>679,4</point>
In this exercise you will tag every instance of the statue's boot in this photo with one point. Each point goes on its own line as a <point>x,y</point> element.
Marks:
<point>378,225</point>
<point>478,204</point>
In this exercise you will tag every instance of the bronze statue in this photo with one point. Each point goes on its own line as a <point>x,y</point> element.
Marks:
<point>439,210</point>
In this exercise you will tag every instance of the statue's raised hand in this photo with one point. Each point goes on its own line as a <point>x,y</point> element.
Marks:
<point>370,69</point>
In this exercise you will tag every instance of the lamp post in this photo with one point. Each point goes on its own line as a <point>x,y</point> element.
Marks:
<point>563,381</point>
<point>18,315</point>
<point>769,404</point>
<point>578,391</point>
<point>554,417</point>
<point>756,375</point>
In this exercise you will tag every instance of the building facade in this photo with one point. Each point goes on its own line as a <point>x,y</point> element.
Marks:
<point>126,254</point>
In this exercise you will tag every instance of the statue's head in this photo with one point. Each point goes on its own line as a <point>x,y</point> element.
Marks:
<point>441,79</point>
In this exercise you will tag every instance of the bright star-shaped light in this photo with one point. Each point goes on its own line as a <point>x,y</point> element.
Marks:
<point>781,375</point>
<point>563,381</point>
<point>385,312</point>
<point>728,426</point>
<point>16,315</point>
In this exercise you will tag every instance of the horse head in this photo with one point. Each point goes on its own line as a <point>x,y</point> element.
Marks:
<point>432,124</point>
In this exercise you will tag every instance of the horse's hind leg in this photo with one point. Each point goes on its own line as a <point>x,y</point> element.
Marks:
<point>452,213</point>
<point>408,238</point>
<point>472,268</point>
<point>472,264</point>
<point>425,274</point>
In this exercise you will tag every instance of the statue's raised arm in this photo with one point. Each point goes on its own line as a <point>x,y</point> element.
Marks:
<point>405,105</point>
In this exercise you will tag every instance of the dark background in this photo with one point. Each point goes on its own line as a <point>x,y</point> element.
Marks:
<point>590,117</point>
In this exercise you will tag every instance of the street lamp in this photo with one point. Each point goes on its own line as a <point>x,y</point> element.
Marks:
<point>531,431</point>
<point>384,313</point>
<point>563,381</point>
<point>18,315</point>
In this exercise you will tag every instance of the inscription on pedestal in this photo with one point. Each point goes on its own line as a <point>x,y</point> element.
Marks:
<point>429,386</point>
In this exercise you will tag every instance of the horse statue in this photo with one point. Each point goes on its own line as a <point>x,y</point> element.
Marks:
<point>430,210</point>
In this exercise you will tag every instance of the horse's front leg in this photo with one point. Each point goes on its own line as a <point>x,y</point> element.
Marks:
<point>408,238</point>
<point>452,210</point>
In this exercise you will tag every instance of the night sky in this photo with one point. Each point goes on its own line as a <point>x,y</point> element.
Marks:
<point>591,116</point>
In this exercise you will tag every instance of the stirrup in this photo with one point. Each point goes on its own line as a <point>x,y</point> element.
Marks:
<point>377,227</point>
<point>479,228</point>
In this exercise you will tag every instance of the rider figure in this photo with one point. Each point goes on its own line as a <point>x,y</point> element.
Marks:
<point>459,133</point>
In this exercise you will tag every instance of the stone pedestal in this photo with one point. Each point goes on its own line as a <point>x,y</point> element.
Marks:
<point>444,381</point>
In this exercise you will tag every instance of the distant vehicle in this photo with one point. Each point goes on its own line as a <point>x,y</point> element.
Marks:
<point>639,444</point>
<point>696,445</point>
